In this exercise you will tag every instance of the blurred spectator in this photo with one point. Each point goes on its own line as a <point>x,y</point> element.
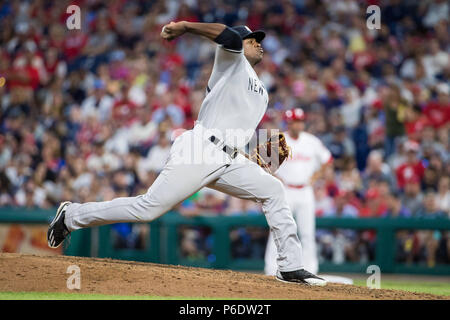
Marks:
<point>248,243</point>
<point>98,103</point>
<point>129,236</point>
<point>157,156</point>
<point>395,207</point>
<point>412,196</point>
<point>443,195</point>
<point>340,146</point>
<point>395,107</point>
<point>236,206</point>
<point>430,208</point>
<point>437,10</point>
<point>413,168</point>
<point>433,171</point>
<point>342,208</point>
<point>377,170</point>
<point>324,202</point>
<point>196,243</point>
<point>375,204</point>
<point>211,201</point>
<point>207,202</point>
<point>349,178</point>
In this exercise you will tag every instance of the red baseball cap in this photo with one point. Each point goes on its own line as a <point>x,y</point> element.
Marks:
<point>294,114</point>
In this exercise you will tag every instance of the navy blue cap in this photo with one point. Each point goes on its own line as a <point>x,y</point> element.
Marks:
<point>246,33</point>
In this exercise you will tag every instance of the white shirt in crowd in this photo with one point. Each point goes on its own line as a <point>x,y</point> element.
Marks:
<point>98,108</point>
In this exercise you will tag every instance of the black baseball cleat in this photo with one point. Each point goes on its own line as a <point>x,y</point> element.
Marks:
<point>57,231</point>
<point>300,276</point>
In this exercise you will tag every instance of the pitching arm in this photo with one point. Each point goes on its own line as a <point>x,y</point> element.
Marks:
<point>217,32</point>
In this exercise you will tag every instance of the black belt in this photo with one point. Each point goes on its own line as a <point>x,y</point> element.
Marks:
<point>232,152</point>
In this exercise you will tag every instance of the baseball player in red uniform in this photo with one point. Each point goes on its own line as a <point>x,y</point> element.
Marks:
<point>309,158</point>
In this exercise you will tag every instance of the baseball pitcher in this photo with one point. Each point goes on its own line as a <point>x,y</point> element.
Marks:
<point>210,155</point>
<point>309,159</point>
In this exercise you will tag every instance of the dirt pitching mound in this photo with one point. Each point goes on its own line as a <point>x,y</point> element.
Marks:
<point>21,273</point>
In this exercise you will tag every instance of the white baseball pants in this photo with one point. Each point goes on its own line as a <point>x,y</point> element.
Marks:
<point>180,178</point>
<point>301,202</point>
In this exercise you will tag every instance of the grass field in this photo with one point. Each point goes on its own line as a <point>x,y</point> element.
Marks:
<point>424,287</point>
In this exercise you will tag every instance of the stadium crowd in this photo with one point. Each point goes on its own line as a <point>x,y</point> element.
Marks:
<point>89,114</point>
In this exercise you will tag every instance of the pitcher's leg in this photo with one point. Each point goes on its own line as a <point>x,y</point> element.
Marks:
<point>270,257</point>
<point>247,180</point>
<point>174,184</point>
<point>180,178</point>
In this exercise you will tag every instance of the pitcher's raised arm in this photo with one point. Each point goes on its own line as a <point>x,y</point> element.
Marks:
<point>217,32</point>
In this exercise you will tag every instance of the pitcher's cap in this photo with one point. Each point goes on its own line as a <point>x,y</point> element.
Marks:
<point>246,33</point>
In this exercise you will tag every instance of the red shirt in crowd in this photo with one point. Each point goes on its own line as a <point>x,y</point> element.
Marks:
<point>363,59</point>
<point>409,171</point>
<point>172,61</point>
<point>375,206</point>
<point>438,114</point>
<point>30,77</point>
<point>74,44</point>
<point>124,111</point>
<point>414,128</point>
<point>368,212</point>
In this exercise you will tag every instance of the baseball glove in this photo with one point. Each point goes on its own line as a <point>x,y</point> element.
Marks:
<point>265,154</point>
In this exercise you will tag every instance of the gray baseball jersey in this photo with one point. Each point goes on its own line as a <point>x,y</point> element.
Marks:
<point>236,99</point>
<point>235,103</point>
